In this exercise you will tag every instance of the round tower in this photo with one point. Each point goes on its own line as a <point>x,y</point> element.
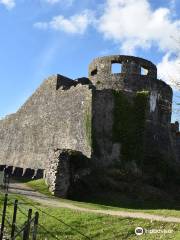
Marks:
<point>132,102</point>
<point>135,75</point>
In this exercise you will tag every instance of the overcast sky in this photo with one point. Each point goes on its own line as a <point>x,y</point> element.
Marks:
<point>39,38</point>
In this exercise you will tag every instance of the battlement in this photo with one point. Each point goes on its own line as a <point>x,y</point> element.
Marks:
<point>66,83</point>
<point>129,65</point>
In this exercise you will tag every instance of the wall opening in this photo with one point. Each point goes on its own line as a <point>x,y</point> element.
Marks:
<point>144,71</point>
<point>116,68</point>
<point>94,72</point>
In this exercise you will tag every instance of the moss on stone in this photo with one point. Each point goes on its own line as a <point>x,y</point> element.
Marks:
<point>129,124</point>
<point>88,127</point>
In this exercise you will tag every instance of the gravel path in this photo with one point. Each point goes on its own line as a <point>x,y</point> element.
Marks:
<point>23,189</point>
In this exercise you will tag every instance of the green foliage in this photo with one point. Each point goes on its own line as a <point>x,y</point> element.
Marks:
<point>129,123</point>
<point>88,126</point>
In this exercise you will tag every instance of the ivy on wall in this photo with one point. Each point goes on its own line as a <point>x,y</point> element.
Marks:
<point>88,127</point>
<point>129,124</point>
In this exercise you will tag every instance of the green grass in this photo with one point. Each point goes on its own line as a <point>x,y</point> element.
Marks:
<point>40,186</point>
<point>88,126</point>
<point>112,201</point>
<point>96,227</point>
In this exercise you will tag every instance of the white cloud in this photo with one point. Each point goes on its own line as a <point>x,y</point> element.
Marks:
<point>172,4</point>
<point>169,70</point>
<point>76,24</point>
<point>41,25</point>
<point>131,25</point>
<point>65,2</point>
<point>52,1</point>
<point>9,4</point>
<point>134,24</point>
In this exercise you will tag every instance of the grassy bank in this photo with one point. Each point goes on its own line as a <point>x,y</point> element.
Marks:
<point>115,201</point>
<point>40,186</point>
<point>59,223</point>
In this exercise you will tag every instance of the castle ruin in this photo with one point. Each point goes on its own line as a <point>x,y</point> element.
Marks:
<point>69,127</point>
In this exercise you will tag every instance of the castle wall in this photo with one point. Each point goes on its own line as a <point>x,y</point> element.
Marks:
<point>177,145</point>
<point>105,151</point>
<point>65,168</point>
<point>55,116</point>
<point>176,140</point>
<point>109,117</point>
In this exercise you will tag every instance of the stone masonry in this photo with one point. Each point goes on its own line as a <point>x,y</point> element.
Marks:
<point>103,119</point>
<point>53,117</point>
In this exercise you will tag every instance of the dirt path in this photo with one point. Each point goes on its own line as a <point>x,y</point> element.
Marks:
<point>23,189</point>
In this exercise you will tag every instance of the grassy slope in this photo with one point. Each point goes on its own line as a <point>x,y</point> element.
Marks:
<point>96,227</point>
<point>114,202</point>
<point>40,186</point>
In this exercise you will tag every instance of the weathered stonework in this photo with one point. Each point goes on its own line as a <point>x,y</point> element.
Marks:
<point>129,81</point>
<point>176,140</point>
<point>58,167</point>
<point>64,168</point>
<point>51,118</point>
<point>106,118</point>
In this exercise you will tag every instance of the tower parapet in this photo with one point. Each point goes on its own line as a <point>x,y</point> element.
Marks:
<point>100,70</point>
<point>135,75</point>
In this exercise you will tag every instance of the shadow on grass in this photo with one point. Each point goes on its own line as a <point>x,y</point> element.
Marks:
<point>121,194</point>
<point>111,199</point>
<point>130,195</point>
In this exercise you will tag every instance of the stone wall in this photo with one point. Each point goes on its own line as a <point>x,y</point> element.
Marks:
<point>53,117</point>
<point>65,168</point>
<point>105,151</point>
<point>176,140</point>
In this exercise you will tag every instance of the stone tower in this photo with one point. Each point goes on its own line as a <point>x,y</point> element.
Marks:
<point>136,80</point>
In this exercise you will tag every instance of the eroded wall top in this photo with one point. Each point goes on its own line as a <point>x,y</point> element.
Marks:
<point>129,65</point>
